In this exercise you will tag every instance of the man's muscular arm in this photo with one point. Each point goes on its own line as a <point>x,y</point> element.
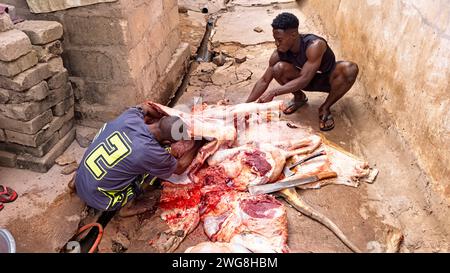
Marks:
<point>314,54</point>
<point>263,83</point>
<point>186,159</point>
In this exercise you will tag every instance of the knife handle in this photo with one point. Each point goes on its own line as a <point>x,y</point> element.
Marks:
<point>326,175</point>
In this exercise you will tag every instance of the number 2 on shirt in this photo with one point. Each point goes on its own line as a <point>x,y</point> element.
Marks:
<point>111,153</point>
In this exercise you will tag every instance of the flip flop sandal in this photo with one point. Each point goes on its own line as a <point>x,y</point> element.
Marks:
<point>7,195</point>
<point>293,106</point>
<point>323,120</point>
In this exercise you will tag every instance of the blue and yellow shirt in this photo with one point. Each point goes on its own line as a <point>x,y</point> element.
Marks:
<point>122,156</point>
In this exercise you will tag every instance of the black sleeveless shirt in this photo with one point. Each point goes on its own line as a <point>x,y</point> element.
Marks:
<point>328,59</point>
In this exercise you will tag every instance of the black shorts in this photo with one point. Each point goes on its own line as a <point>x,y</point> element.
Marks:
<point>320,82</point>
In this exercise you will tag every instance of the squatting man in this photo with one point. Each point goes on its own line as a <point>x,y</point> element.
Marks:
<point>304,62</point>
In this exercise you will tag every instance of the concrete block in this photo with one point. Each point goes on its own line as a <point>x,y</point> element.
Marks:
<point>59,79</point>
<point>29,127</point>
<point>19,138</point>
<point>29,110</point>
<point>43,135</point>
<point>27,78</point>
<point>43,164</point>
<point>5,22</point>
<point>13,44</point>
<point>91,64</point>
<point>66,128</point>
<point>8,159</point>
<point>107,32</point>
<point>39,151</point>
<point>48,51</point>
<point>41,32</point>
<point>56,65</point>
<point>35,93</point>
<point>2,135</point>
<point>10,69</point>
<point>61,108</point>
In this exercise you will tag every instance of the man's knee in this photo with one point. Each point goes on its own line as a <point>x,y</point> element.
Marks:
<point>349,71</point>
<point>280,70</point>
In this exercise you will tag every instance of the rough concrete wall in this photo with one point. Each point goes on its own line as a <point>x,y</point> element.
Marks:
<point>117,53</point>
<point>403,49</point>
<point>152,42</point>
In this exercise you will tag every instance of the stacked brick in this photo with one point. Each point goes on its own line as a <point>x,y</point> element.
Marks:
<point>36,98</point>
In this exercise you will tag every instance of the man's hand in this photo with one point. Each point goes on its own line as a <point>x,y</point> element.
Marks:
<point>263,83</point>
<point>267,97</point>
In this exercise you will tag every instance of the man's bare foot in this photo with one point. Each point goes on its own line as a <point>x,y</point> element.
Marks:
<point>131,211</point>
<point>135,207</point>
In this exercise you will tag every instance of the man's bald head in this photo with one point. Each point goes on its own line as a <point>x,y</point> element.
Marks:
<point>172,129</point>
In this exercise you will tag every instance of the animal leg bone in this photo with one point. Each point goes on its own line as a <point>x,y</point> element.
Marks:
<point>293,198</point>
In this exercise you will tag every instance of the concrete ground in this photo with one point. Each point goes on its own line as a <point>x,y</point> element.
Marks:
<point>399,199</point>
<point>45,215</point>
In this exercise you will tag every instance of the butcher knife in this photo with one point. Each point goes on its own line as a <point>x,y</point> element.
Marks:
<point>289,183</point>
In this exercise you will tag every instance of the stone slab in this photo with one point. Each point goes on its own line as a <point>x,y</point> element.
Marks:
<point>43,164</point>
<point>56,65</point>
<point>29,110</point>
<point>35,93</point>
<point>26,79</point>
<point>48,51</point>
<point>43,135</point>
<point>10,69</point>
<point>58,80</point>
<point>44,6</point>
<point>13,44</point>
<point>28,127</point>
<point>39,151</point>
<point>41,32</point>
